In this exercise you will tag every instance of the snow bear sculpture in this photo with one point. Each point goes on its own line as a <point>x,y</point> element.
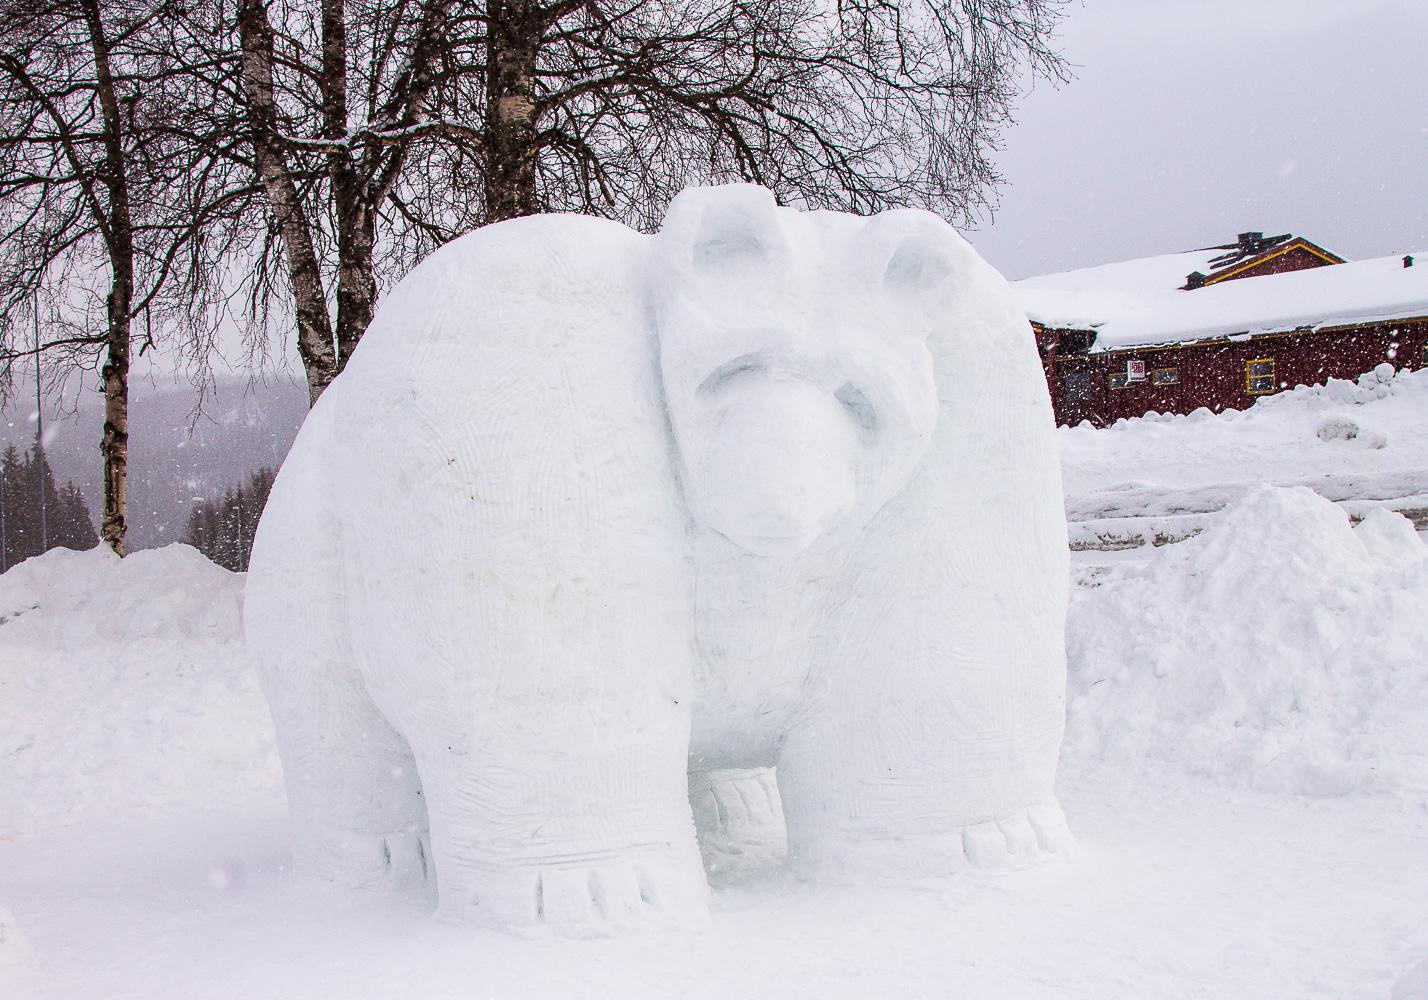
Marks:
<point>589,510</point>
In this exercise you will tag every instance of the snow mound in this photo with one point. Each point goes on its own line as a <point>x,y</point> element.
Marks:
<point>1343,428</point>
<point>1280,649</point>
<point>1409,386</point>
<point>87,598</point>
<point>1382,382</point>
<point>123,685</point>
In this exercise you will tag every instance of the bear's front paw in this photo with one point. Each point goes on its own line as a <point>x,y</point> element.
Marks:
<point>658,890</point>
<point>1021,838</point>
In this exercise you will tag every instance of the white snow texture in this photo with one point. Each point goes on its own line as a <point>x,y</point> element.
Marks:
<point>124,684</point>
<point>1281,650</point>
<point>590,510</point>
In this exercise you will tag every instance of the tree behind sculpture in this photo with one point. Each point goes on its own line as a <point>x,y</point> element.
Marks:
<point>380,130</point>
<point>222,528</point>
<point>611,109</point>
<point>97,176</point>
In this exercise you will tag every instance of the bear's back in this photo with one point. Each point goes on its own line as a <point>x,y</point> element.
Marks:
<point>496,459</point>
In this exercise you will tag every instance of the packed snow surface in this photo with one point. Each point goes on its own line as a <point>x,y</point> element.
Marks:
<point>1198,873</point>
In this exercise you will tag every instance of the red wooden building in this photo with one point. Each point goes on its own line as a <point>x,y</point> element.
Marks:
<point>1222,326</point>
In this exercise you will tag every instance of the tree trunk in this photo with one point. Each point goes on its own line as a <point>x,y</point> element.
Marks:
<point>115,443</point>
<point>315,340</point>
<point>356,283</point>
<point>356,215</point>
<point>514,32</point>
<point>119,240</point>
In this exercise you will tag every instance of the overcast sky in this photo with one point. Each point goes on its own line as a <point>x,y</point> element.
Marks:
<point>1189,121</point>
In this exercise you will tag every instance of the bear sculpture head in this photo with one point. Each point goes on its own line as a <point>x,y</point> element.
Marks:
<point>795,362</point>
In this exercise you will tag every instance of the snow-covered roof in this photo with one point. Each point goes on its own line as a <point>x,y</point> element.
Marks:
<point>1167,271</point>
<point>1172,270</point>
<point>1130,304</point>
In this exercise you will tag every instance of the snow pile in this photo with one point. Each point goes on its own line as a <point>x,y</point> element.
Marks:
<point>1381,382</point>
<point>1282,649</point>
<point>123,685</point>
<point>1346,440</point>
<point>1337,396</point>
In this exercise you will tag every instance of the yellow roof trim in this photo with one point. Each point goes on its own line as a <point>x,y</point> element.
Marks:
<point>1295,244</point>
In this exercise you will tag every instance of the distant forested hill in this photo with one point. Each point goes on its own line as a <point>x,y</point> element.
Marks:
<point>175,456</point>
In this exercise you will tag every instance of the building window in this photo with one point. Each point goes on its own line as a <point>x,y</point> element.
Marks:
<point>1259,376</point>
<point>1119,380</point>
<point>1076,385</point>
<point>1165,376</point>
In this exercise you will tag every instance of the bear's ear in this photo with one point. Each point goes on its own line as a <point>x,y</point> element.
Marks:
<point>732,230</point>
<point>916,266</point>
<point>914,252</point>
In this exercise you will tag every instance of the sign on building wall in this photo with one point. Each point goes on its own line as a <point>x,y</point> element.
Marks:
<point>1135,371</point>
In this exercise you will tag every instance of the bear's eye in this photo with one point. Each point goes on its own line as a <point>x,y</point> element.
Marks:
<point>730,370</point>
<point>858,407</point>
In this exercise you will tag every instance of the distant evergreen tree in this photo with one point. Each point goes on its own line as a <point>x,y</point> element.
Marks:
<point>222,528</point>
<point>202,528</point>
<point>13,512</point>
<point>38,472</point>
<point>29,525</point>
<point>75,526</point>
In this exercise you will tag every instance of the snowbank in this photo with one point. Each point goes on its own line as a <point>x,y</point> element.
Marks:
<point>1281,649</point>
<point>123,685</point>
<point>1346,440</point>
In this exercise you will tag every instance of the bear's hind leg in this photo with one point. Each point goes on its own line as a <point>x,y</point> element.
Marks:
<point>354,796</point>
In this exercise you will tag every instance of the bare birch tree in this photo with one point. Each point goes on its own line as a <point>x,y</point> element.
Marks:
<point>115,208</point>
<point>382,128</point>
<point>65,201</point>
<point>337,96</point>
<point>320,147</point>
<point>611,106</point>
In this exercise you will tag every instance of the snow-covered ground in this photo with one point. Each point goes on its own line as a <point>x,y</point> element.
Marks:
<point>1362,445</point>
<point>1246,768</point>
<point>1180,890</point>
